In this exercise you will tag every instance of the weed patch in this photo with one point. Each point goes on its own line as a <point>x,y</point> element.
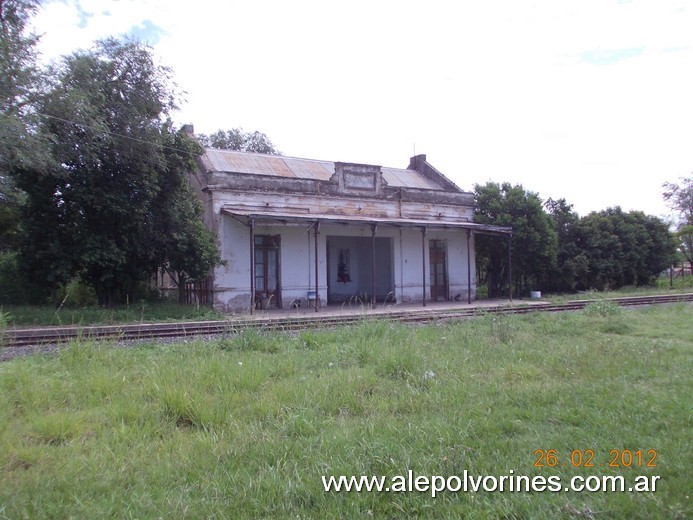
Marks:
<point>603,308</point>
<point>55,428</point>
<point>250,340</point>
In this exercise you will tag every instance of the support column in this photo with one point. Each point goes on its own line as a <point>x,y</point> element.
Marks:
<point>374,228</point>
<point>251,227</point>
<point>317,279</point>
<point>423,265</point>
<point>510,269</point>
<point>469,269</point>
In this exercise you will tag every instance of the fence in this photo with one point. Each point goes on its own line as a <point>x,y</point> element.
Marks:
<point>197,292</point>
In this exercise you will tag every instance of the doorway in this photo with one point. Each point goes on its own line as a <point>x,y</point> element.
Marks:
<point>350,269</point>
<point>437,257</point>
<point>266,269</point>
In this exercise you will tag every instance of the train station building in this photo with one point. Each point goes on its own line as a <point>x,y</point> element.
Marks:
<point>308,233</point>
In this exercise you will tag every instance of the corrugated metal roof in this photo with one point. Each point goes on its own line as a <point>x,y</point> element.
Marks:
<point>277,165</point>
<point>303,216</point>
<point>408,179</point>
<point>306,169</point>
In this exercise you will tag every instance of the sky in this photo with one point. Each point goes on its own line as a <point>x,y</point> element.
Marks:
<point>587,100</point>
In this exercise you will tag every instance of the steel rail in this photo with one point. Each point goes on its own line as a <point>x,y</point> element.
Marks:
<point>18,337</point>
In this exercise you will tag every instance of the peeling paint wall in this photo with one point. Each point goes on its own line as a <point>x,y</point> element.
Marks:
<point>297,260</point>
<point>353,192</point>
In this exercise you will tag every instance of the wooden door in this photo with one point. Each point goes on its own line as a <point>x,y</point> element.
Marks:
<point>267,282</point>
<point>437,256</point>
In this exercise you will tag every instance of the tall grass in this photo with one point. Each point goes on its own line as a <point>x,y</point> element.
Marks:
<point>25,315</point>
<point>660,287</point>
<point>4,322</point>
<point>245,426</point>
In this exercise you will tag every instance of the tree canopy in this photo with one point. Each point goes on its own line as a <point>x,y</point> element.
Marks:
<point>621,248</point>
<point>19,78</point>
<point>20,82</point>
<point>237,139</point>
<point>116,185</point>
<point>533,239</point>
<point>553,249</point>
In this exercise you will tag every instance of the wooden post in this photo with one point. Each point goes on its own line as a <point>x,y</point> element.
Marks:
<point>510,271</point>
<point>317,292</point>
<point>469,269</point>
<point>374,227</point>
<point>251,227</point>
<point>423,258</point>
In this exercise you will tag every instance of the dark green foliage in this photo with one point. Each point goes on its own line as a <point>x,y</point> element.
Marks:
<point>10,204</point>
<point>19,76</point>
<point>115,205</point>
<point>571,263</point>
<point>533,242</point>
<point>87,214</point>
<point>559,251</point>
<point>622,248</point>
<point>180,243</point>
<point>607,249</point>
<point>13,283</point>
<point>19,84</point>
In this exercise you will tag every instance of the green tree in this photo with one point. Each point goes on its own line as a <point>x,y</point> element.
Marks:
<point>237,139</point>
<point>533,240</point>
<point>182,244</point>
<point>21,146</point>
<point>19,86</point>
<point>571,262</point>
<point>96,212</point>
<point>622,248</point>
<point>19,78</point>
<point>680,200</point>
<point>10,207</point>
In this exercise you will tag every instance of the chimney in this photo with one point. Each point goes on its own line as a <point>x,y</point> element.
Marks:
<point>417,162</point>
<point>188,130</point>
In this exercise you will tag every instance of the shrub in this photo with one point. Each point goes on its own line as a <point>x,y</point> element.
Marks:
<point>12,283</point>
<point>603,308</point>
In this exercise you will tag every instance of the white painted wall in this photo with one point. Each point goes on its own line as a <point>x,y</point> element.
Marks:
<point>232,281</point>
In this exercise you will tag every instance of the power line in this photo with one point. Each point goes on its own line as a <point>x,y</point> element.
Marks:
<point>115,134</point>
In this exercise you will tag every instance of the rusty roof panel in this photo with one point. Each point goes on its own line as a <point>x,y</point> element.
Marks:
<point>307,169</point>
<point>258,164</point>
<point>276,165</point>
<point>408,179</point>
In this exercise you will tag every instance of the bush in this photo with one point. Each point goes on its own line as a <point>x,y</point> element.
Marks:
<point>4,323</point>
<point>78,294</point>
<point>13,284</point>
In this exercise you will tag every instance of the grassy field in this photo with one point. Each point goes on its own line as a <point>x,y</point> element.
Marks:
<point>27,315</point>
<point>244,427</point>
<point>661,288</point>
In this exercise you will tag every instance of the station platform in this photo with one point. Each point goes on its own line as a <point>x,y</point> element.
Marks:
<point>383,309</point>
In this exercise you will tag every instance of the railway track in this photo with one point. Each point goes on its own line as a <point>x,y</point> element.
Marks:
<point>19,337</point>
